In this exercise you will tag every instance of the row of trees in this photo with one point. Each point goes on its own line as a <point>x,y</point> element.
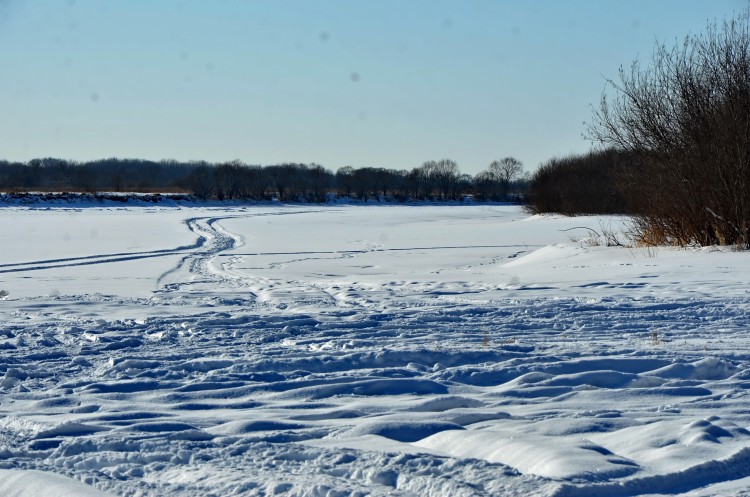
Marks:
<point>441,180</point>
<point>52,174</point>
<point>679,133</point>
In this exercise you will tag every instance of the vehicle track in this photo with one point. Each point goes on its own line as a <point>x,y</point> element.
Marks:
<point>203,269</point>
<point>196,265</point>
<point>95,259</point>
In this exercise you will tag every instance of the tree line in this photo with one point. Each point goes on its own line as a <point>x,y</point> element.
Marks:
<point>503,180</point>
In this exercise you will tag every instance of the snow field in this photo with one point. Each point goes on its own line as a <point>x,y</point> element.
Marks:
<point>368,351</point>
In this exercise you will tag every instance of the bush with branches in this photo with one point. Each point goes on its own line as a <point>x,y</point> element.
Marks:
<point>686,121</point>
<point>580,184</point>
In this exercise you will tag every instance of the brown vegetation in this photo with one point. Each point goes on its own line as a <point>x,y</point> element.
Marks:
<point>685,120</point>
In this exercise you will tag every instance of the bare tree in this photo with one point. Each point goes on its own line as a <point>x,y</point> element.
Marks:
<point>345,180</point>
<point>364,182</point>
<point>228,180</point>
<point>320,180</point>
<point>446,177</point>
<point>281,177</point>
<point>494,183</point>
<point>486,187</point>
<point>686,119</point>
<point>256,180</point>
<point>427,177</point>
<point>506,170</point>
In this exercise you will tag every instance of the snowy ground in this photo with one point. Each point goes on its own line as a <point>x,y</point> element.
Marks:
<point>365,350</point>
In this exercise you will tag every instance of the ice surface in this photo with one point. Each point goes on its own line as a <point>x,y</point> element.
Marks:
<point>365,350</point>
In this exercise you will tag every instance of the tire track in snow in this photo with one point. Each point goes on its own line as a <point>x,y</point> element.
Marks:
<point>395,249</point>
<point>213,240</point>
<point>210,265</point>
<point>95,259</point>
<point>200,268</point>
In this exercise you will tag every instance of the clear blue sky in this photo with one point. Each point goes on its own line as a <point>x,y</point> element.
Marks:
<point>384,83</point>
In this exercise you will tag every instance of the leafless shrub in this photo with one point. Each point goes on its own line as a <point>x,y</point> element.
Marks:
<point>606,237</point>
<point>610,236</point>
<point>579,184</point>
<point>686,120</point>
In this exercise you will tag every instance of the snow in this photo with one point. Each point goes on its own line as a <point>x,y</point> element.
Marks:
<point>37,483</point>
<point>170,350</point>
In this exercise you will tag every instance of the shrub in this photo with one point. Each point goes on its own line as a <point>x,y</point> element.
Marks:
<point>686,121</point>
<point>579,184</point>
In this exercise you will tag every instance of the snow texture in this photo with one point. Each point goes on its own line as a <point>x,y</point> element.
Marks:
<point>167,350</point>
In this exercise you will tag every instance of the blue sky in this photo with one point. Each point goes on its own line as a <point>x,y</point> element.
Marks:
<point>381,83</point>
